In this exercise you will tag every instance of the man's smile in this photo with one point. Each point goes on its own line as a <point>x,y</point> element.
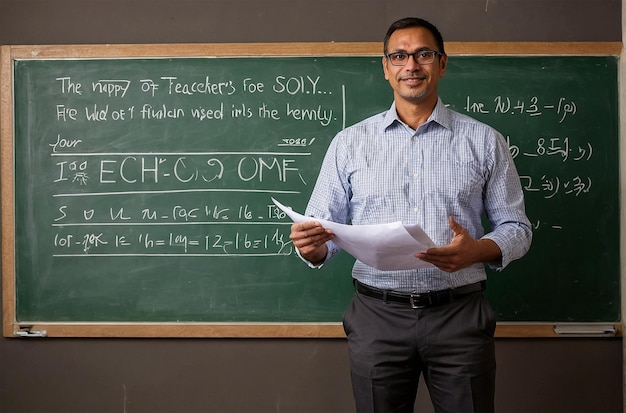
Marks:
<point>413,79</point>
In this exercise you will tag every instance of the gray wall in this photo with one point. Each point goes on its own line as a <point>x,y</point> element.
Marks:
<point>286,375</point>
<point>173,21</point>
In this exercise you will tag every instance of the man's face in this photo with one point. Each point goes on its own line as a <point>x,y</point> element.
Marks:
<point>412,82</point>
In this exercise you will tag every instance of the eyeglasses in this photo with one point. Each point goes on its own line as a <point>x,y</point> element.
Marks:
<point>422,57</point>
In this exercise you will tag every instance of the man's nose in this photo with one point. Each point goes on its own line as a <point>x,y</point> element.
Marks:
<point>412,61</point>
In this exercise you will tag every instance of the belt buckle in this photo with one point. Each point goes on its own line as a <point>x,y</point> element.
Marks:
<point>414,296</point>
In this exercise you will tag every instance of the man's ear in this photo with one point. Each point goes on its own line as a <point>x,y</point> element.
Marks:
<point>443,63</point>
<point>384,61</point>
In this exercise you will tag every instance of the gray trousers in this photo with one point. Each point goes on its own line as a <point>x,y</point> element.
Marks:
<point>452,345</point>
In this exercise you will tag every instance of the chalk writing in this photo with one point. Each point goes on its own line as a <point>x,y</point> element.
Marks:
<point>517,106</point>
<point>174,86</point>
<point>273,242</point>
<point>555,146</point>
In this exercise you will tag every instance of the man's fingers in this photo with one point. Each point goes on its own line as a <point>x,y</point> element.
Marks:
<point>309,233</point>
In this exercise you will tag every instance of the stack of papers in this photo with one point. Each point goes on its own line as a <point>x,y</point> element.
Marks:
<point>385,247</point>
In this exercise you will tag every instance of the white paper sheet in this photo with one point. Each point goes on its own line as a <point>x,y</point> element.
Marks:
<point>383,246</point>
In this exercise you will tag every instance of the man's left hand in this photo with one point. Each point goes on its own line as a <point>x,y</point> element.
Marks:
<point>462,251</point>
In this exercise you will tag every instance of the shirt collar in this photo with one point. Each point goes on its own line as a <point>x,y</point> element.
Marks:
<point>440,115</point>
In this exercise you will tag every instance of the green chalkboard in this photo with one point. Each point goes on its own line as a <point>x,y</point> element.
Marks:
<point>143,185</point>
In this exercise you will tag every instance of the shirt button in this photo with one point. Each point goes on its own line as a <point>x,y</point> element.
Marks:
<point>415,209</point>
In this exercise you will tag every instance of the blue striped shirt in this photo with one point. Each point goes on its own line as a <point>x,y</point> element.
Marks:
<point>380,170</point>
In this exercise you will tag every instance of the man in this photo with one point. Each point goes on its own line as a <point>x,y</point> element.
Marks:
<point>421,163</point>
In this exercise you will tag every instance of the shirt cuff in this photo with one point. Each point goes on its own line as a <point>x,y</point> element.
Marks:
<point>514,242</point>
<point>332,249</point>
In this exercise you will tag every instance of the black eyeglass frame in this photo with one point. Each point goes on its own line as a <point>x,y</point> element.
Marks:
<point>414,55</point>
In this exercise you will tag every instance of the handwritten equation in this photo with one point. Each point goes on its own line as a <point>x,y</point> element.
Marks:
<point>554,146</point>
<point>533,106</point>
<point>269,242</point>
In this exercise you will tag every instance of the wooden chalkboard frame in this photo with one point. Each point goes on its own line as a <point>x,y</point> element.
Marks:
<point>12,328</point>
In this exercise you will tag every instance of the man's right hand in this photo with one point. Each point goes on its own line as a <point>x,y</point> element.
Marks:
<point>310,238</point>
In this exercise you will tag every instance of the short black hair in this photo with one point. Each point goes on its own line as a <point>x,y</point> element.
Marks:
<point>408,22</point>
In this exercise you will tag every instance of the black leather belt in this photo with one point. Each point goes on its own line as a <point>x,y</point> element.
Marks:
<point>420,300</point>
